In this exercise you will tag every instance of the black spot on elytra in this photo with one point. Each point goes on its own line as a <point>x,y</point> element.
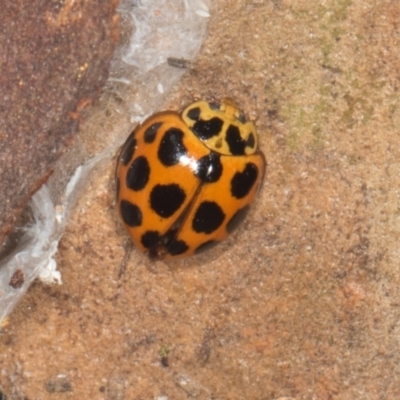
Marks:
<point>151,132</point>
<point>131,214</point>
<point>209,168</point>
<point>208,217</point>
<point>150,239</point>
<point>194,113</point>
<point>138,174</point>
<point>177,247</point>
<point>235,142</point>
<point>171,147</point>
<point>165,200</point>
<point>159,246</point>
<point>206,246</point>
<point>128,149</point>
<point>242,182</point>
<point>207,129</point>
<point>237,219</point>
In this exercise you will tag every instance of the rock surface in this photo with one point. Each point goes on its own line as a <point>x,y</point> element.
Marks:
<point>54,61</point>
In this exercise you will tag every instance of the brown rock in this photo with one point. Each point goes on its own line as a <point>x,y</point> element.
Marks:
<point>54,61</point>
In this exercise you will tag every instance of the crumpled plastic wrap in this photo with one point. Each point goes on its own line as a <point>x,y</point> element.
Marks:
<point>141,78</point>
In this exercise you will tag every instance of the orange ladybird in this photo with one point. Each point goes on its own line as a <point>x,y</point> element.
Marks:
<point>185,181</point>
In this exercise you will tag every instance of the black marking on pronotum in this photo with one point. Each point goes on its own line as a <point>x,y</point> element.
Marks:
<point>251,141</point>
<point>138,174</point>
<point>208,217</point>
<point>207,129</point>
<point>235,142</point>
<point>242,118</point>
<point>151,132</point>
<point>171,147</point>
<point>194,113</point>
<point>214,105</point>
<point>165,200</point>
<point>131,214</point>
<point>128,150</point>
<point>242,182</point>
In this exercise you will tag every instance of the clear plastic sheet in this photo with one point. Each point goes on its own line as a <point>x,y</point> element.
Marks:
<point>140,79</point>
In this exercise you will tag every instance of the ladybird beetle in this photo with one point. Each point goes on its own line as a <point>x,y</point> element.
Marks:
<point>185,181</point>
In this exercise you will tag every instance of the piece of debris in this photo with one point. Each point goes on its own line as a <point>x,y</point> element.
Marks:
<point>17,280</point>
<point>190,387</point>
<point>59,384</point>
<point>178,62</point>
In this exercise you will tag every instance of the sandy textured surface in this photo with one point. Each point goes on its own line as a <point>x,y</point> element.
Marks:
<point>303,301</point>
